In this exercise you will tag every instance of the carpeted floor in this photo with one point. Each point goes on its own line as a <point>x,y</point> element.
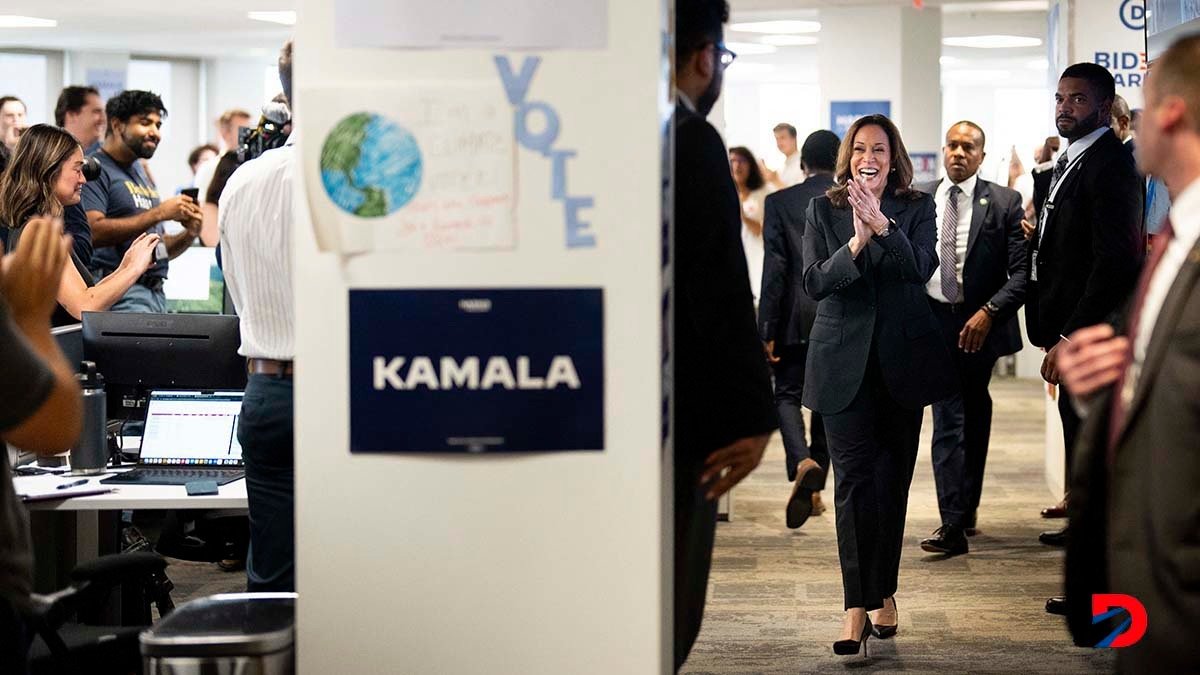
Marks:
<point>775,595</point>
<point>775,598</point>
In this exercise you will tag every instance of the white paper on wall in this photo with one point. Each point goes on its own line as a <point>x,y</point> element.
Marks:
<point>410,166</point>
<point>416,24</point>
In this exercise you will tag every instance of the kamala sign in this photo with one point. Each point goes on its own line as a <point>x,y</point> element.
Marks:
<point>476,370</point>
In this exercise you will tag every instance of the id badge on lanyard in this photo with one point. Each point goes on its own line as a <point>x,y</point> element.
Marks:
<point>1033,266</point>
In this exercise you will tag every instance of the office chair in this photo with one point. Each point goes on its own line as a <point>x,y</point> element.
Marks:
<point>65,648</point>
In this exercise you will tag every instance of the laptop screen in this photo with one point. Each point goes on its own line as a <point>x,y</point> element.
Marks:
<point>192,428</point>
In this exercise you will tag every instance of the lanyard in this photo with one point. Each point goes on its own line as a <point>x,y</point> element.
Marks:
<point>1048,207</point>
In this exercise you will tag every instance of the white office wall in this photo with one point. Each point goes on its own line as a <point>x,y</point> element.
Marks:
<point>177,81</point>
<point>237,83</point>
<point>753,108</point>
<point>1017,111</point>
<point>30,76</point>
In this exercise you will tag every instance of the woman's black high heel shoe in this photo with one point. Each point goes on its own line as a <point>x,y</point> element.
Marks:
<point>884,632</point>
<point>849,647</point>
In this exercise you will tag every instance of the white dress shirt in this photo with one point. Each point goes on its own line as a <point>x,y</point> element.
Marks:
<point>791,173</point>
<point>1075,149</point>
<point>1185,221</point>
<point>966,203</point>
<point>752,244</point>
<point>255,220</point>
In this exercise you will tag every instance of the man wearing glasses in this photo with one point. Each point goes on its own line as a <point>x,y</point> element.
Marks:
<point>724,409</point>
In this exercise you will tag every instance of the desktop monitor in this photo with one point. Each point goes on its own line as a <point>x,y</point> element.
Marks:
<point>137,353</point>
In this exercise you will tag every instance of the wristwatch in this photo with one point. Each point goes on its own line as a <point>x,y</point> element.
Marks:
<point>991,309</point>
<point>888,230</point>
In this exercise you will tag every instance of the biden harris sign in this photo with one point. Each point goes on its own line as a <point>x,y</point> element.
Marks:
<point>476,370</point>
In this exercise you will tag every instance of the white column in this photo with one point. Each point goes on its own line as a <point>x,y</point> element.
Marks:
<point>886,54</point>
<point>551,562</point>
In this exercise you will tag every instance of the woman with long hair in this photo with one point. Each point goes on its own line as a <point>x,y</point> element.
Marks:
<point>45,175</point>
<point>875,358</point>
<point>752,191</point>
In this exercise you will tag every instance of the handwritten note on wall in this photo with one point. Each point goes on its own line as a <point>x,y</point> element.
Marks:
<point>414,167</point>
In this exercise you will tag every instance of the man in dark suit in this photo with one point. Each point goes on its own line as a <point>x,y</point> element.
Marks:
<point>1134,503</point>
<point>723,408</point>
<point>1089,244</point>
<point>1121,124</point>
<point>785,318</point>
<point>975,294</point>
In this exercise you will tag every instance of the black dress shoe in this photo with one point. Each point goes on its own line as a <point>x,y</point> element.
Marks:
<point>947,539</point>
<point>1057,605</point>
<point>1059,510</point>
<point>848,647</point>
<point>1054,537</point>
<point>800,504</point>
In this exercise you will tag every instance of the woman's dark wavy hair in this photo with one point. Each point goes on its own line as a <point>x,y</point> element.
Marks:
<point>899,180</point>
<point>27,186</point>
<point>755,179</point>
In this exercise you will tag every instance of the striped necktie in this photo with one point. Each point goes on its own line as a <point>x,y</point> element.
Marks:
<point>948,247</point>
<point>1060,167</point>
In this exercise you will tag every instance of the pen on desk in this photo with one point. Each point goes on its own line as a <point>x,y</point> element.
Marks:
<point>77,483</point>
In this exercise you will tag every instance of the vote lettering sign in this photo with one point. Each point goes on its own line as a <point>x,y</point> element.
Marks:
<point>476,370</point>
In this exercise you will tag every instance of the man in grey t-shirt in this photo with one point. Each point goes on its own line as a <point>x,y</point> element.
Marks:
<point>41,409</point>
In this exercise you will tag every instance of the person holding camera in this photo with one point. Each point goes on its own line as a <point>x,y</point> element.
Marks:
<point>123,202</point>
<point>26,192</point>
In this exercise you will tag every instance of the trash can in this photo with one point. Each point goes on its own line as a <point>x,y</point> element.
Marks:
<point>228,634</point>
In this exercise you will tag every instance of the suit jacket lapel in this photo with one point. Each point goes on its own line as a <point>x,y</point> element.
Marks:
<point>1160,340</point>
<point>892,208</point>
<point>843,224</point>
<point>979,208</point>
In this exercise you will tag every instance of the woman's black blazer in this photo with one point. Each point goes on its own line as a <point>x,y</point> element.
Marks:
<point>875,302</point>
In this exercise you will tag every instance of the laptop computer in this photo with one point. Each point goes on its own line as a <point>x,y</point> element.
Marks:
<point>189,436</point>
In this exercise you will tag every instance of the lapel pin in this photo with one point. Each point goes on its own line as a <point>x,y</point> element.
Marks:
<point>983,201</point>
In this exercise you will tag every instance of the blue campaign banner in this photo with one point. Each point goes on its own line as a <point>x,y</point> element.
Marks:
<point>476,370</point>
<point>843,113</point>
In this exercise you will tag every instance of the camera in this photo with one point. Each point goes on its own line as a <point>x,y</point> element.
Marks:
<point>90,168</point>
<point>269,134</point>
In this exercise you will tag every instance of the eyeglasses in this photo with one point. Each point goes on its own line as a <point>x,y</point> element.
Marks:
<point>725,54</point>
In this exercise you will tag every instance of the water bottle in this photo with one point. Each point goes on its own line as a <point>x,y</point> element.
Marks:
<point>90,454</point>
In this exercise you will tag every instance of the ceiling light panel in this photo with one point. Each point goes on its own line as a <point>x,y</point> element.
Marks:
<point>992,41</point>
<point>15,21</point>
<point>286,17</point>
<point>790,27</point>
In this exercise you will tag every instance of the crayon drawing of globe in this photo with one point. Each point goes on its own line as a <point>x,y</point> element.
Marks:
<point>370,166</point>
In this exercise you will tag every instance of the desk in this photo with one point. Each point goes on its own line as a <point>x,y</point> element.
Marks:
<point>229,496</point>
<point>69,531</point>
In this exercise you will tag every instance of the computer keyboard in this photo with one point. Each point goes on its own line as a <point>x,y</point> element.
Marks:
<point>174,476</point>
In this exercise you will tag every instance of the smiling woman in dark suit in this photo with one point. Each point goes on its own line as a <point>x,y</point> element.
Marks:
<point>875,357</point>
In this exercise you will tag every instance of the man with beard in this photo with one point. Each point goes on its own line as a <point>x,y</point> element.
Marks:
<point>123,202</point>
<point>1089,243</point>
<point>724,411</point>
